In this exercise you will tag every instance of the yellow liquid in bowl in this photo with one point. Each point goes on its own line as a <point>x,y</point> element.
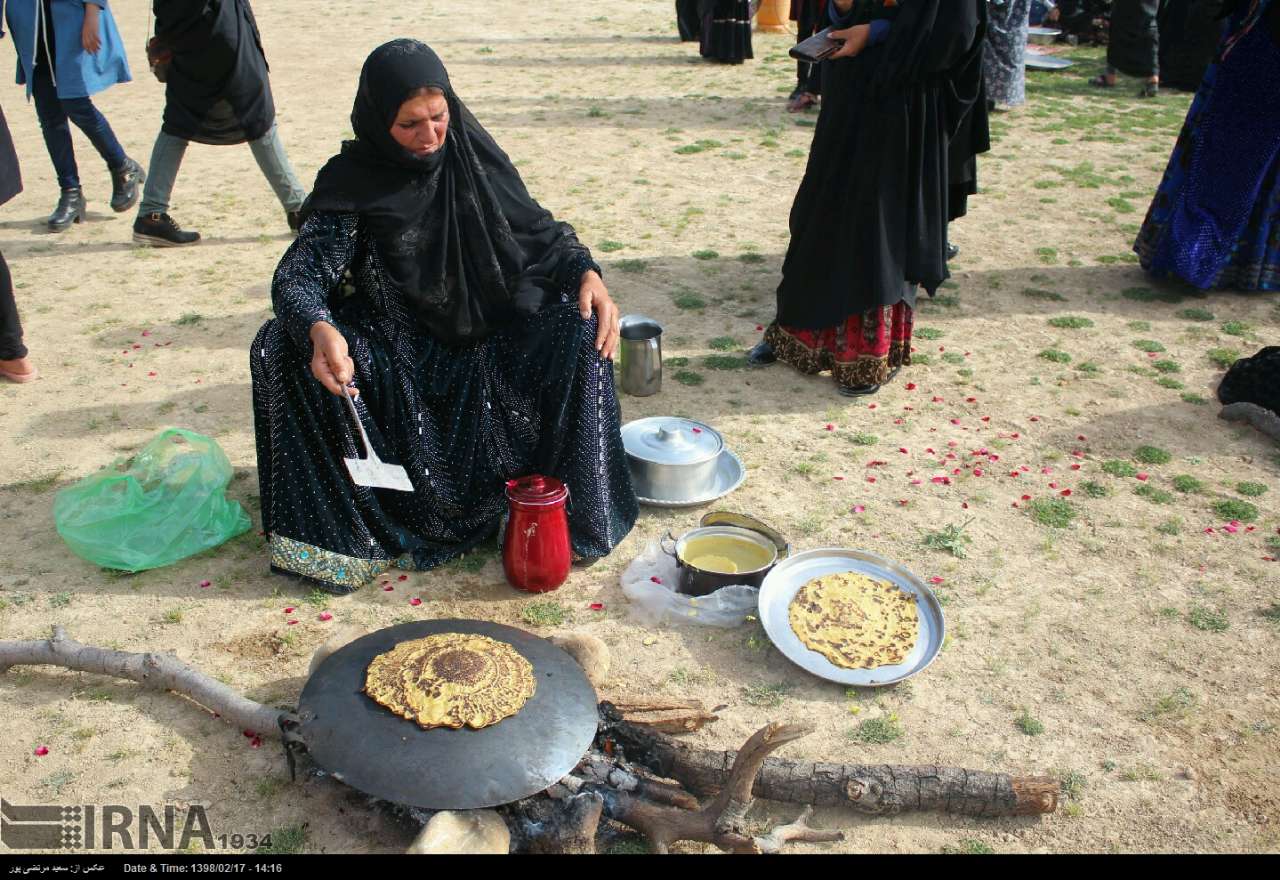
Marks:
<point>725,554</point>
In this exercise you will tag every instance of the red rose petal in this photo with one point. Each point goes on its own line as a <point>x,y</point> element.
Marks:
<point>871,406</point>
<point>325,615</point>
<point>1209,530</point>
<point>387,588</point>
<point>1075,467</point>
<point>596,606</point>
<point>291,622</point>
<point>871,479</point>
<point>859,508</point>
<point>831,427</point>
<point>1053,485</point>
<point>415,601</point>
<point>656,579</point>
<point>255,743</point>
<point>1015,435</point>
<point>937,399</point>
<point>903,502</point>
<point>1065,493</point>
<point>41,751</point>
<point>837,477</point>
<point>289,610</point>
<point>697,430</point>
<point>935,580</point>
<point>899,422</point>
<point>206,583</point>
<point>964,505</point>
<point>1143,477</point>
<point>1026,497</point>
<point>955,421</point>
<point>977,472</point>
<point>152,374</point>
<point>146,332</point>
<point>1081,437</point>
<point>986,418</point>
<point>403,577</point>
<point>911,386</point>
<point>759,327</point>
<point>248,734</point>
<point>1015,504</point>
<point>1035,418</point>
<point>903,450</point>
<point>971,400</point>
<point>916,482</point>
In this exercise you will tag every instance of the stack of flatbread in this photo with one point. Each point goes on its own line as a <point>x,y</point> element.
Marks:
<point>855,621</point>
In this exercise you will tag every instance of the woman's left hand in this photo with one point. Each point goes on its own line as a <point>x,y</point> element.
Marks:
<point>593,296</point>
<point>89,33</point>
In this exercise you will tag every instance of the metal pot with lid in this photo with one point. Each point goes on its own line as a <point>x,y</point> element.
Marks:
<point>727,548</point>
<point>672,458</point>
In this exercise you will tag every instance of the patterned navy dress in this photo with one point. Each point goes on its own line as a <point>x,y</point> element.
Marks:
<point>533,397</point>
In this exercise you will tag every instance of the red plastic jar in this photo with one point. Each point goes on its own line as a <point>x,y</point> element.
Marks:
<point>535,550</point>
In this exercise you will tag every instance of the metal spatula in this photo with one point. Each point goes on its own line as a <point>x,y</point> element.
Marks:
<point>372,471</point>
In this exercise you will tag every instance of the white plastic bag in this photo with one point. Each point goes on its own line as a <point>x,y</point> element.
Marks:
<point>650,583</point>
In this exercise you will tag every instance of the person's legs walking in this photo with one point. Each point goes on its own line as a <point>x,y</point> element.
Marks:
<point>153,225</point>
<point>55,128</point>
<point>269,152</point>
<point>13,354</point>
<point>126,174</point>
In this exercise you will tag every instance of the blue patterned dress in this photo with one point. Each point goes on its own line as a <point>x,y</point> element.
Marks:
<point>534,397</point>
<point>1215,220</point>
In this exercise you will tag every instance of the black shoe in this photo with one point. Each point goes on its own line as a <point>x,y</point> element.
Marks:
<point>857,390</point>
<point>126,185</point>
<point>953,251</point>
<point>159,230</point>
<point>762,355</point>
<point>71,208</point>
<point>295,220</point>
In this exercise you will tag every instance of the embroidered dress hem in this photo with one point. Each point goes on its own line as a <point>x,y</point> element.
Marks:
<point>866,350</point>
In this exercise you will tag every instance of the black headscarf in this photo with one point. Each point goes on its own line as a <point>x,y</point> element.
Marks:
<point>458,232</point>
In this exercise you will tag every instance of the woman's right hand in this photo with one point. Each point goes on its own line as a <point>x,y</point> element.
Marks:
<point>855,40</point>
<point>330,362</point>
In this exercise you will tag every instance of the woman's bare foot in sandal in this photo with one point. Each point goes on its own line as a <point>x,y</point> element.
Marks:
<point>20,370</point>
<point>801,101</point>
<point>1150,89</point>
<point>1104,81</point>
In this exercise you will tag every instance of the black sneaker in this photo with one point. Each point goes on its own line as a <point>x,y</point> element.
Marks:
<point>159,230</point>
<point>953,251</point>
<point>762,355</point>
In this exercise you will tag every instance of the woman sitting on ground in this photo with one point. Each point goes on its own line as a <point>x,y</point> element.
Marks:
<point>472,330</point>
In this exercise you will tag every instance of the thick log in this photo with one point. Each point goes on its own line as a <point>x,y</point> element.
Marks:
<point>664,716</point>
<point>875,789</point>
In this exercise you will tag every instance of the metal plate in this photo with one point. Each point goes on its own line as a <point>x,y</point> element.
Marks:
<point>1048,62</point>
<point>369,748</point>
<point>730,474</point>
<point>788,576</point>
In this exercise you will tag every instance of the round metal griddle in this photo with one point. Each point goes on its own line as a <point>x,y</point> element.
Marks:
<point>788,576</point>
<point>369,748</point>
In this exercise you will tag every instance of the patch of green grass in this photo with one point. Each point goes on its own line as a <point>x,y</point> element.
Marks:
<point>689,300</point>
<point>632,846</point>
<point>1152,455</point>
<point>1271,612</point>
<point>968,846</point>
<point>1176,704</point>
<point>1028,723</point>
<point>1194,399</point>
<point>928,333</point>
<point>631,267</point>
<point>1153,494</point>
<point>60,600</point>
<point>861,438</point>
<point>765,696</point>
<point>1073,784</point>
<point>1056,356</point>
<point>1187,484</point>
<point>188,319</point>
<point>39,485</point>
<point>751,257</point>
<point>1094,490</point>
<point>1237,328</point>
<point>724,362</point>
<point>285,841</point>
<point>1088,367</point>
<point>1139,326</point>
<point>1054,513</point>
<point>921,359</point>
<point>546,612</point>
<point>58,781</point>
<point>609,246</point>
<point>1251,490</point>
<point>173,615</point>
<point>951,539</point>
<point>1233,510</point>
<point>1046,295</point>
<point>1223,357</point>
<point>954,358</point>
<point>472,562</point>
<point>1149,345</point>
<point>1047,255</point>
<point>706,254</point>
<point>677,362</point>
<point>1070,322</point>
<point>1121,205</point>
<point>724,343</point>
<point>1196,314</point>
<point>689,377</point>
<point>1171,527</point>
<point>1117,468</point>
<point>1166,366</point>
<point>1208,619</point>
<point>878,731</point>
<point>1170,383</point>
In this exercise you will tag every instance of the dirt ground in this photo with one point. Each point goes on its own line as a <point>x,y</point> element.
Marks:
<point>1110,639</point>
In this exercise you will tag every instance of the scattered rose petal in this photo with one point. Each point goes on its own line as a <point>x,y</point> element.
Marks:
<point>955,421</point>
<point>899,421</point>
<point>993,457</point>
<point>1024,469</point>
<point>759,327</point>
<point>1015,504</point>
<point>1046,470</point>
<point>291,622</point>
<point>206,583</point>
<point>964,505</point>
<point>289,610</point>
<point>916,482</point>
<point>935,580</point>
<point>1250,528</point>
<point>1143,477</point>
<point>1053,485</point>
<point>1065,493</point>
<point>929,449</point>
<point>325,615</point>
<point>656,579</point>
<point>941,481</point>
<point>1015,473</point>
<point>1015,435</point>
<point>248,734</point>
<point>903,502</point>
<point>146,332</point>
<point>1035,418</point>
<point>837,477</point>
<point>871,479</point>
<point>1075,467</point>
<point>415,601</point>
<point>255,743</point>
<point>1230,528</point>
<point>937,399</point>
<point>41,751</point>
<point>902,449</point>
<point>952,443</point>
<point>1081,437</point>
<point>387,588</point>
<point>977,472</point>
<point>859,508</point>
<point>697,430</point>
<point>871,406</point>
<point>971,400</point>
<point>1026,497</point>
<point>986,418</point>
<point>1209,530</point>
<point>830,427</point>
<point>1077,453</point>
<point>911,386</point>
<point>403,577</point>
<point>596,606</point>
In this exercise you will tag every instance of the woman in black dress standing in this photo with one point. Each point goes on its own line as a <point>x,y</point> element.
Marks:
<point>726,30</point>
<point>869,223</point>
<point>14,365</point>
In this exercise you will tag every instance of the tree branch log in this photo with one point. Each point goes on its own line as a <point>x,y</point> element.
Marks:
<point>161,672</point>
<point>876,789</point>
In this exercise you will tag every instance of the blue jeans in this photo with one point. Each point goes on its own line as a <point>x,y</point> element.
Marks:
<point>166,159</point>
<point>54,114</point>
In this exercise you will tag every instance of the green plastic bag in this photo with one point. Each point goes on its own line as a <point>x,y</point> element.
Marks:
<point>166,503</point>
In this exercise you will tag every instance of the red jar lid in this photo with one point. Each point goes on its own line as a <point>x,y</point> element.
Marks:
<point>537,490</point>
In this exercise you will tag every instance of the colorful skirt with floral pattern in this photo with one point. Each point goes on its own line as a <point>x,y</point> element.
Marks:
<point>865,350</point>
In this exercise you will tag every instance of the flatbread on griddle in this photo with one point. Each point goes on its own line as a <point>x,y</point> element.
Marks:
<point>855,621</point>
<point>451,680</point>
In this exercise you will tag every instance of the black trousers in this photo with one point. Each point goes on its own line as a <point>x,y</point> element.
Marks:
<point>810,18</point>
<point>11,347</point>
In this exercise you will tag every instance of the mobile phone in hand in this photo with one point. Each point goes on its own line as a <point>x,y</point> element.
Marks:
<point>816,48</point>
